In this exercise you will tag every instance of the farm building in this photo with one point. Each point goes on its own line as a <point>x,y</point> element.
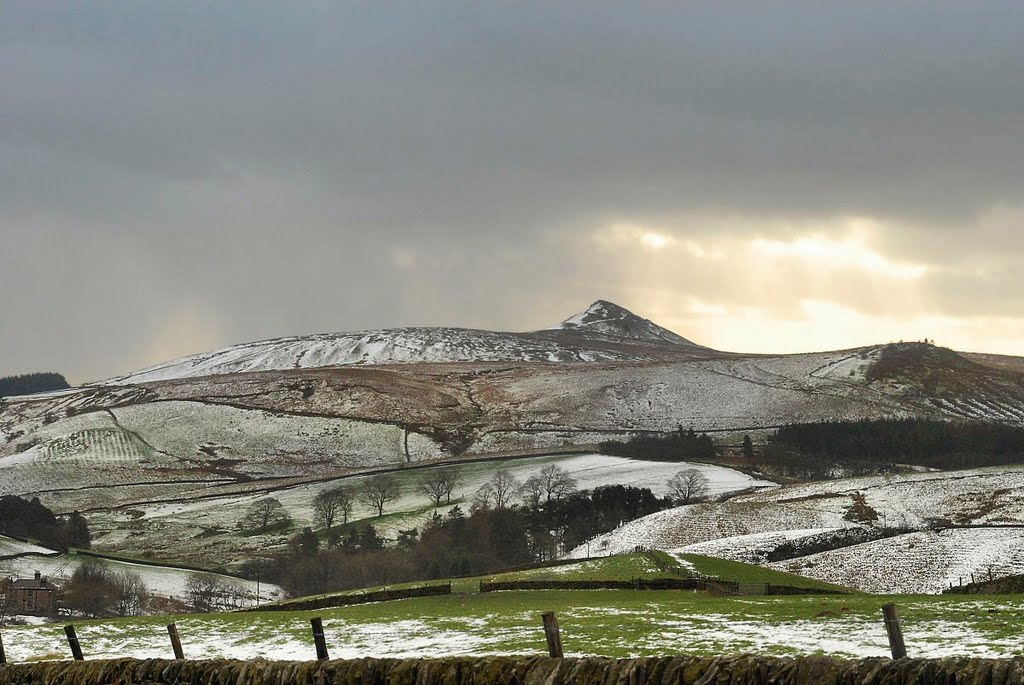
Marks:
<point>33,597</point>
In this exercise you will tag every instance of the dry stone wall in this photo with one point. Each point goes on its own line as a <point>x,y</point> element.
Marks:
<point>680,670</point>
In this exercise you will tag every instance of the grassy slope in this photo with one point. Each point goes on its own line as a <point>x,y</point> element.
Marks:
<point>750,573</point>
<point>654,564</point>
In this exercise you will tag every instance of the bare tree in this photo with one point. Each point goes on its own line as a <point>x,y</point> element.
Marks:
<point>556,482</point>
<point>482,499</point>
<point>131,593</point>
<point>497,492</point>
<point>330,504</point>
<point>532,491</point>
<point>205,591</point>
<point>264,514</point>
<point>689,485</point>
<point>504,486</point>
<point>379,490</point>
<point>433,485</point>
<point>450,479</point>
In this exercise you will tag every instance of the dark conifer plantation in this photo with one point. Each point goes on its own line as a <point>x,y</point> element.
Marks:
<point>31,383</point>
<point>880,442</point>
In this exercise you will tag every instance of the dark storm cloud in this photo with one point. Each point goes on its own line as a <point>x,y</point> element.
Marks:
<point>256,169</point>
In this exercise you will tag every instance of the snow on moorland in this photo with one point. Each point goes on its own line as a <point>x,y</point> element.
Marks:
<point>921,562</point>
<point>749,525</point>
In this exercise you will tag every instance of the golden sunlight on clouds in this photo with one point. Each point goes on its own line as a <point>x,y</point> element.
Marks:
<point>721,282</point>
<point>826,253</point>
<point>633,235</point>
<point>655,241</point>
<point>827,326</point>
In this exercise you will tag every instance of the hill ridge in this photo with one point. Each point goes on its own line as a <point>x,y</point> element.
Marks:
<point>604,332</point>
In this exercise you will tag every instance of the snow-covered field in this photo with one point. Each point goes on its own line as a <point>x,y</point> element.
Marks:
<point>593,623</point>
<point>922,562</point>
<point>12,547</point>
<point>748,548</point>
<point>747,526</point>
<point>698,523</point>
<point>198,528</point>
<point>274,444</point>
<point>162,581</point>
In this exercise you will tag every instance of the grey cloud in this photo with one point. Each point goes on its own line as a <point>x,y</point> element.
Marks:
<point>268,160</point>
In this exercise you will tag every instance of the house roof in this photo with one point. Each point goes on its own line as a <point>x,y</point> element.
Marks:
<point>33,584</point>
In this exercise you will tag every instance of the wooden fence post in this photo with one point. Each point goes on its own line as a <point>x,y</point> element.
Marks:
<point>318,639</point>
<point>76,647</point>
<point>553,634</point>
<point>895,631</point>
<point>172,631</point>
<point>3,656</point>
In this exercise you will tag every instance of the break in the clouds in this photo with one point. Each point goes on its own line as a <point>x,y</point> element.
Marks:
<point>780,176</point>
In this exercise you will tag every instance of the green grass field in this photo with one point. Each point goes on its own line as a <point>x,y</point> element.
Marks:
<point>616,623</point>
<point>625,567</point>
<point>612,623</point>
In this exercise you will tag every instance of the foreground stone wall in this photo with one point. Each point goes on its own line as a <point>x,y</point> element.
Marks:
<point>743,670</point>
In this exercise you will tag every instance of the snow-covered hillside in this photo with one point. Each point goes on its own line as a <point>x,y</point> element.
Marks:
<point>198,523</point>
<point>960,522</point>
<point>608,318</point>
<point>21,560</point>
<point>603,332</point>
<point>321,407</point>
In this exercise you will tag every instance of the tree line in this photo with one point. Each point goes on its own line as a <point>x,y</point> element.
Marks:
<point>29,383</point>
<point>508,523</point>
<point>815,449</point>
<point>31,519</point>
<point>682,445</point>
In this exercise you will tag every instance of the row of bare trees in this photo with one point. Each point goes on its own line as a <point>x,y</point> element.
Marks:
<point>335,505</point>
<point>504,489</point>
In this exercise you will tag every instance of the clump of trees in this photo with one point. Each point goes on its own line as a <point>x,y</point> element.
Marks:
<point>682,445</point>
<point>438,484</point>
<point>264,516</point>
<point>330,505</point>
<point>30,383</point>
<point>510,523</point>
<point>32,519</point>
<point>499,492</point>
<point>94,590</point>
<point>208,592</point>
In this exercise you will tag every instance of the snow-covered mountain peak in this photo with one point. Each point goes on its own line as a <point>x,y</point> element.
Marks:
<point>609,319</point>
<point>605,332</point>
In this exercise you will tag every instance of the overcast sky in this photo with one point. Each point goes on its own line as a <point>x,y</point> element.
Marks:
<point>779,176</point>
